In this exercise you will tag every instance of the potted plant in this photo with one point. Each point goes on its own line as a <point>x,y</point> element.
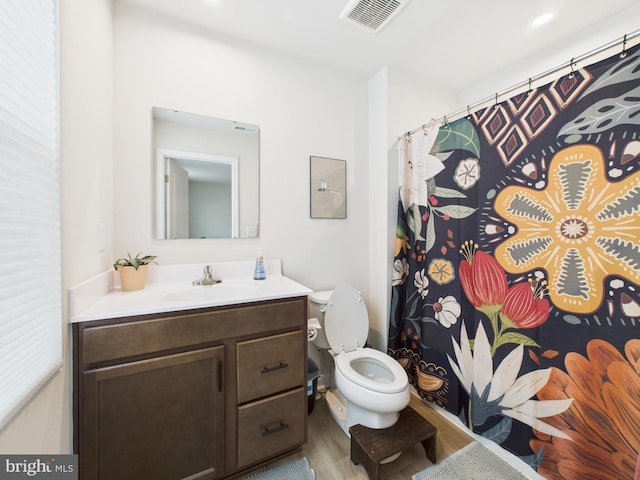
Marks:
<point>133,271</point>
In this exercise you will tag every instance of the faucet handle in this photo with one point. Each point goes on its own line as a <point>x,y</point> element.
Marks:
<point>208,272</point>
<point>207,277</point>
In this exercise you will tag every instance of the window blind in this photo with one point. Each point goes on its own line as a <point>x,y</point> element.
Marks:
<point>30,272</point>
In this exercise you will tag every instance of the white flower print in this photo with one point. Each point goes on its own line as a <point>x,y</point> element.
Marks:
<point>421,281</point>
<point>501,392</point>
<point>447,310</point>
<point>400,272</point>
<point>417,165</point>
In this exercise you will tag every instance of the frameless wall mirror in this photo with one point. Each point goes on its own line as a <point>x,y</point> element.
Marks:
<point>207,176</point>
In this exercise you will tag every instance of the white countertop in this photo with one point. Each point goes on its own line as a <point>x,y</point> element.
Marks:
<point>169,289</point>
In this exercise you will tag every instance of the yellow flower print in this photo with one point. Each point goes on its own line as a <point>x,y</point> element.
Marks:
<point>401,244</point>
<point>580,228</point>
<point>441,271</point>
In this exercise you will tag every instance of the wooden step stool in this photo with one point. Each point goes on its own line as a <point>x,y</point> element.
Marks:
<point>370,446</point>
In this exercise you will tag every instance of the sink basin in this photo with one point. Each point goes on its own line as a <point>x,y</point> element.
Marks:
<point>217,292</point>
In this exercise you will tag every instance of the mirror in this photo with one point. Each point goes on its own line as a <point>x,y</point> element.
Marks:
<point>207,175</point>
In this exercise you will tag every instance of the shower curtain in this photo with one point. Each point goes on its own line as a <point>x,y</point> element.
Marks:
<point>516,277</point>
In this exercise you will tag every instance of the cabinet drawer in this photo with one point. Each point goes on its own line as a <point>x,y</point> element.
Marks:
<point>106,343</point>
<point>272,426</point>
<point>270,365</point>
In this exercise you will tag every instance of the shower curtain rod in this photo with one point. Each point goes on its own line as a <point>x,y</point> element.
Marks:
<point>445,118</point>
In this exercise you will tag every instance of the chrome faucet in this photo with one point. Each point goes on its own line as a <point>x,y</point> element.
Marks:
<point>207,277</point>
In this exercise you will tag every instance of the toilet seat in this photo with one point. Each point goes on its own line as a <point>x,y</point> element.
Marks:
<point>344,365</point>
<point>346,321</point>
<point>347,326</point>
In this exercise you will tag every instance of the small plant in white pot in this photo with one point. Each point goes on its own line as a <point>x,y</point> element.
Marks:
<point>133,271</point>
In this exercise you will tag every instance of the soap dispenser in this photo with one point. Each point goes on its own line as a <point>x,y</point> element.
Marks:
<point>259,273</point>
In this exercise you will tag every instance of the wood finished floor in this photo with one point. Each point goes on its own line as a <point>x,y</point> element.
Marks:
<point>328,448</point>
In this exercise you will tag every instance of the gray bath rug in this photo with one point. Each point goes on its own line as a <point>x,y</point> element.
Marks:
<point>473,462</point>
<point>296,470</point>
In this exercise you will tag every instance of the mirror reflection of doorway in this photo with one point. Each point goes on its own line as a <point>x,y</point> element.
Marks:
<point>200,195</point>
<point>177,201</point>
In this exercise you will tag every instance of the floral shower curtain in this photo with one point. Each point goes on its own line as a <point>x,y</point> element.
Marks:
<point>516,289</point>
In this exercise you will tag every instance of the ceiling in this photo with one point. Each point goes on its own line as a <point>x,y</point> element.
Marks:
<point>460,41</point>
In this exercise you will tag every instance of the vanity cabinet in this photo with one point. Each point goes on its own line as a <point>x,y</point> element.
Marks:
<point>197,394</point>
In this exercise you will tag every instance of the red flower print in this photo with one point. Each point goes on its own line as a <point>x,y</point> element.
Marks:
<point>483,279</point>
<point>524,306</point>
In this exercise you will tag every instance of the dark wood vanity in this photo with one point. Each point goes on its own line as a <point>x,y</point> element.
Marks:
<point>193,394</point>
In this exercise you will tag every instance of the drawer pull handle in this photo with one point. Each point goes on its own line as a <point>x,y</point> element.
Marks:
<point>269,431</point>
<point>277,367</point>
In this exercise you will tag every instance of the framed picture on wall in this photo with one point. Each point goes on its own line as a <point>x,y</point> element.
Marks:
<point>328,185</point>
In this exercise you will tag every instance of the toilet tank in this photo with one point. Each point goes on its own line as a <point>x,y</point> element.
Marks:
<point>317,304</point>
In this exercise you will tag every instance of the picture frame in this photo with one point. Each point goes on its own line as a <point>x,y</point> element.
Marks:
<point>328,187</point>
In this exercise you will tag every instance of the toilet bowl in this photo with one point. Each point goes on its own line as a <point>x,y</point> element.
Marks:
<point>370,387</point>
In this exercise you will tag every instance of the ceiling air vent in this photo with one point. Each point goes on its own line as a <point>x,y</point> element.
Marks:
<point>372,15</point>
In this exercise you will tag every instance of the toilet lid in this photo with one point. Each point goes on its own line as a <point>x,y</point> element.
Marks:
<point>346,321</point>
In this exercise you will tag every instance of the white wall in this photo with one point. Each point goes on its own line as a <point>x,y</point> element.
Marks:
<point>379,199</point>
<point>302,110</point>
<point>608,30</point>
<point>44,425</point>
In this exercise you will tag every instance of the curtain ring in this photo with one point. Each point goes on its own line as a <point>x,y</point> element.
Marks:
<point>446,122</point>
<point>468,112</point>
<point>496,105</point>
<point>530,89</point>
<point>624,46</point>
<point>572,74</point>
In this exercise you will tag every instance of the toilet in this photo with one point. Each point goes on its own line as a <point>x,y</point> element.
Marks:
<point>368,387</point>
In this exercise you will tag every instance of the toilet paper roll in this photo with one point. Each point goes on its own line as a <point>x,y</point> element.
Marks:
<point>313,325</point>
<point>312,333</point>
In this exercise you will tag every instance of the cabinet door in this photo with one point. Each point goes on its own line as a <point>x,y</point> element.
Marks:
<point>161,418</point>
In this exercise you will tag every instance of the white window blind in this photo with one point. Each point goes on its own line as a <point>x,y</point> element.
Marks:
<point>30,278</point>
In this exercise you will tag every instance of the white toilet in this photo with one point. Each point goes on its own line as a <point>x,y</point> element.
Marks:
<point>369,387</point>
